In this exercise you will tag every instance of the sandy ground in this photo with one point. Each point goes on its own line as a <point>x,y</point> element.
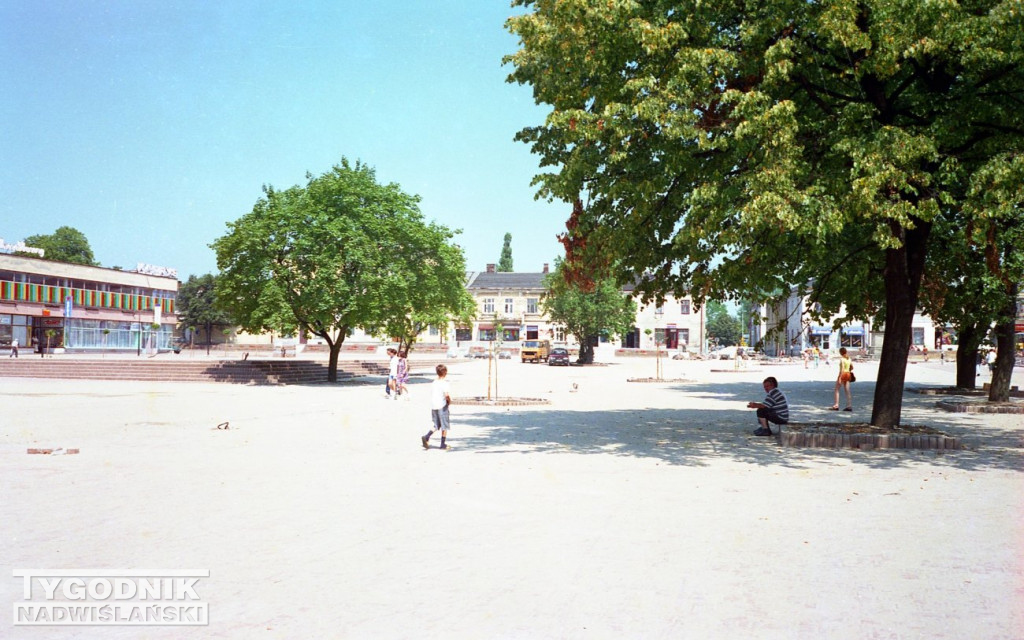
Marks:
<point>619,510</point>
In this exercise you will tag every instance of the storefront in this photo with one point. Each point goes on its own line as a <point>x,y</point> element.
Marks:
<point>47,305</point>
<point>820,337</point>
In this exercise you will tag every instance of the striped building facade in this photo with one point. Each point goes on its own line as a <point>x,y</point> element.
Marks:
<point>49,305</point>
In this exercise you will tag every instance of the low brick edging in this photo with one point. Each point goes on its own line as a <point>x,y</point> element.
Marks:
<point>868,441</point>
<point>499,402</point>
<point>1015,392</point>
<point>980,407</point>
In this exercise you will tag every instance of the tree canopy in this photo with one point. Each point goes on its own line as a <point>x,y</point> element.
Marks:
<point>339,253</point>
<point>723,328</point>
<point>587,313</point>
<point>66,244</point>
<point>734,149</point>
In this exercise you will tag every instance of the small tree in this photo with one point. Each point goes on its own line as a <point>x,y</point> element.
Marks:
<point>505,263</point>
<point>588,312</point>
<point>198,307</point>
<point>722,325</point>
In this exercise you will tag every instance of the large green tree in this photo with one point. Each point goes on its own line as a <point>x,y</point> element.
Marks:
<point>731,149</point>
<point>339,253</point>
<point>600,309</point>
<point>197,307</point>
<point>66,244</point>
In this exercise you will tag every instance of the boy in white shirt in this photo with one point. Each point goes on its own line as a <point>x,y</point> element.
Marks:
<point>440,398</point>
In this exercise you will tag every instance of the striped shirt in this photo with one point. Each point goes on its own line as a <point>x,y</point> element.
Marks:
<point>776,402</point>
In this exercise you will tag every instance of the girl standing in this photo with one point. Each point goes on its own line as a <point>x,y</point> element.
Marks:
<point>845,373</point>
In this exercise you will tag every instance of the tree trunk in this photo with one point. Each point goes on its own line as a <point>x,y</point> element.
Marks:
<point>903,269</point>
<point>586,352</point>
<point>999,389</point>
<point>969,339</point>
<point>332,361</point>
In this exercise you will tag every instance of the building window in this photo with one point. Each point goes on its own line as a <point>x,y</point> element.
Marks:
<point>432,330</point>
<point>559,334</point>
<point>531,305</point>
<point>918,336</point>
<point>684,338</point>
<point>488,305</point>
<point>855,342</point>
<point>509,306</point>
<point>684,307</point>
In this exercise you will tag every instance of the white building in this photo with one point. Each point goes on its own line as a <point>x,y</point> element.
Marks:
<point>788,329</point>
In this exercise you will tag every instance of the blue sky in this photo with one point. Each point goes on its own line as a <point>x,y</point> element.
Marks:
<point>150,125</point>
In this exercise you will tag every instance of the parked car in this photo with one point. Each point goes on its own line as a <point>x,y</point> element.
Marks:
<point>504,355</point>
<point>558,355</point>
<point>534,350</point>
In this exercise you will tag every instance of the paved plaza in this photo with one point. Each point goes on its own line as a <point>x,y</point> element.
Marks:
<point>618,510</point>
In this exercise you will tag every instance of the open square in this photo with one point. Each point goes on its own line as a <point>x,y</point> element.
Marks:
<point>616,511</point>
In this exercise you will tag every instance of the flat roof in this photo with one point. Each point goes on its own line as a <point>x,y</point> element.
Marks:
<point>44,267</point>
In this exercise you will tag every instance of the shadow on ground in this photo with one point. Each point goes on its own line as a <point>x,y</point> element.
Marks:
<point>693,436</point>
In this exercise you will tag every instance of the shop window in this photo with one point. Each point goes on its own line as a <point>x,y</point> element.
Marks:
<point>511,335</point>
<point>463,334</point>
<point>486,335</point>
<point>854,342</point>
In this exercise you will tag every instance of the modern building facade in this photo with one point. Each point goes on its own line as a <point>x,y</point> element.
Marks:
<point>57,305</point>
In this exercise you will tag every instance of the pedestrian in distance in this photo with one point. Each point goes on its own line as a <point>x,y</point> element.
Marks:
<point>774,409</point>
<point>402,376</point>
<point>389,386</point>
<point>844,380</point>
<point>440,399</point>
<point>14,348</point>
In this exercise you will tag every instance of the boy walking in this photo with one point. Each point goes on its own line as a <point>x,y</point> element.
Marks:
<point>440,398</point>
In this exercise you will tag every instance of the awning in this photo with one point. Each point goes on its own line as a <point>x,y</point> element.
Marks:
<point>853,331</point>
<point>821,331</point>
